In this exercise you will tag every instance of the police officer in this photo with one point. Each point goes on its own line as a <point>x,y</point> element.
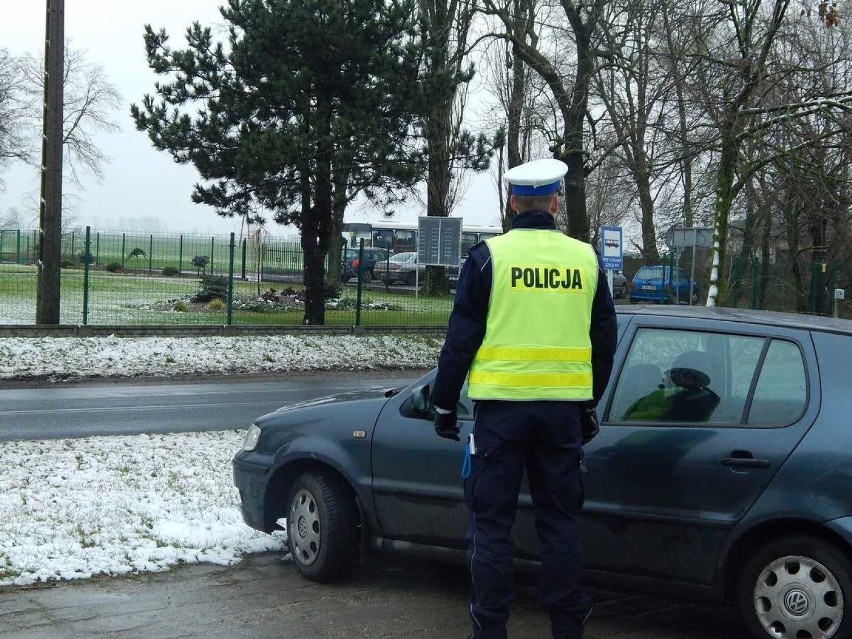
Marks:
<point>534,326</point>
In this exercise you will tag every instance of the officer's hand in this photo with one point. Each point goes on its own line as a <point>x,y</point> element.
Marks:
<point>446,426</point>
<point>589,424</point>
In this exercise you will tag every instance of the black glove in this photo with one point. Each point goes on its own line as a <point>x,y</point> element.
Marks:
<point>446,426</point>
<point>588,424</point>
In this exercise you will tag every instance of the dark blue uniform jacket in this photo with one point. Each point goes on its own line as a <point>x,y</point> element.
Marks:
<point>466,328</point>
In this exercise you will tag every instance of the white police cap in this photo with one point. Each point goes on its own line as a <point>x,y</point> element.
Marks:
<point>538,177</point>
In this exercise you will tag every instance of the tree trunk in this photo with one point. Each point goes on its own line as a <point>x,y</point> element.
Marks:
<point>741,263</point>
<point>316,231</point>
<point>438,182</point>
<point>646,204</point>
<point>764,257</point>
<point>574,153</point>
<point>717,296</point>
<point>516,107</point>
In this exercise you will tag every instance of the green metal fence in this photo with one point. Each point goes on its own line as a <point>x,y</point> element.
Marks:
<point>116,278</point>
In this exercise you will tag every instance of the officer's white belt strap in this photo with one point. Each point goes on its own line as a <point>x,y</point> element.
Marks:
<point>526,354</point>
<point>541,380</point>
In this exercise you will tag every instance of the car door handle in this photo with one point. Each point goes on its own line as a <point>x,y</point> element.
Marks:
<point>744,459</point>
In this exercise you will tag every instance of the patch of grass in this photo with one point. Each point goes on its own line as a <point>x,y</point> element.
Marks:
<point>138,300</point>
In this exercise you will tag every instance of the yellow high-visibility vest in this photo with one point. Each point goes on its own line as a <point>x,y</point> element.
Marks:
<point>536,343</point>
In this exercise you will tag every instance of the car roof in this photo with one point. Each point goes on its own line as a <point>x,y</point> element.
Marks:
<point>772,318</point>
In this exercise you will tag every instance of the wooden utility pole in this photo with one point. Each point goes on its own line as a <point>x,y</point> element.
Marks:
<point>50,209</point>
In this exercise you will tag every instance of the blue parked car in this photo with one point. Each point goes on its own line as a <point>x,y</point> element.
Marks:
<point>722,471</point>
<point>663,285</point>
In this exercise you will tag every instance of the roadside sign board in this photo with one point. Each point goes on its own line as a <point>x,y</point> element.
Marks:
<point>612,248</point>
<point>439,241</point>
<point>679,237</point>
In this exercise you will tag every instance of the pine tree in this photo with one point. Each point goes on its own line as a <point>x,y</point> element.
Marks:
<point>310,103</point>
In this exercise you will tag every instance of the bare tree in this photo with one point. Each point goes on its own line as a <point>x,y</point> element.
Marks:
<point>570,91</point>
<point>13,113</point>
<point>90,98</point>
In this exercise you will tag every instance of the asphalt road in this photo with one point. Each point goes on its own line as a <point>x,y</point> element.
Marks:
<point>132,407</point>
<point>264,597</point>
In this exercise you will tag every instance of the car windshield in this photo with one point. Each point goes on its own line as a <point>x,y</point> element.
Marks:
<point>400,258</point>
<point>650,272</point>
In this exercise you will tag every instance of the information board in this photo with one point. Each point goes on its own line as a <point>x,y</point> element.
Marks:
<point>680,237</point>
<point>439,241</point>
<point>612,249</point>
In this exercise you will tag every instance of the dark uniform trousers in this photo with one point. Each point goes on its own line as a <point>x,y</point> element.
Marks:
<point>544,437</point>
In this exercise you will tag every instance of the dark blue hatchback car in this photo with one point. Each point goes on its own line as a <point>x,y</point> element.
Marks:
<point>722,471</point>
<point>663,285</point>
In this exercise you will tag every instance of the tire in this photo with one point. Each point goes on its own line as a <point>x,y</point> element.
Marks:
<point>797,587</point>
<point>366,276</point>
<point>322,527</point>
<point>622,292</point>
<point>411,279</point>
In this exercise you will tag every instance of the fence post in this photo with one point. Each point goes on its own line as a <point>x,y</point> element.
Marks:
<point>123,238</point>
<point>244,259</point>
<point>73,242</point>
<point>180,255</point>
<point>98,247</point>
<point>150,254</point>
<point>231,281</point>
<point>18,248</point>
<point>755,282</point>
<point>212,239</point>
<point>358,277</point>
<point>86,265</point>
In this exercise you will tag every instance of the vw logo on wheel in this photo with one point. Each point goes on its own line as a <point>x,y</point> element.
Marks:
<point>796,601</point>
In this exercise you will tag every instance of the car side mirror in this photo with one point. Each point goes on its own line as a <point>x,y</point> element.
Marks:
<point>421,399</point>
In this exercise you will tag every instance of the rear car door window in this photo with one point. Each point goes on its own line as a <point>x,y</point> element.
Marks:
<point>686,377</point>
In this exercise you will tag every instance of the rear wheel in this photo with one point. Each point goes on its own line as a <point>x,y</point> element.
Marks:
<point>366,276</point>
<point>411,279</point>
<point>797,588</point>
<point>322,526</point>
<point>622,292</point>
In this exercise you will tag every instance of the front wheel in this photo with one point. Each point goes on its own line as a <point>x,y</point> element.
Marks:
<point>622,292</point>
<point>411,279</point>
<point>797,587</point>
<point>366,276</point>
<point>322,526</point>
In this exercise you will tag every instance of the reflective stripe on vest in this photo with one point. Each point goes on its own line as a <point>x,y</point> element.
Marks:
<point>536,344</point>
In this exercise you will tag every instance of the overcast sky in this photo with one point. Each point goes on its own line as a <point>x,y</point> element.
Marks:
<point>143,189</point>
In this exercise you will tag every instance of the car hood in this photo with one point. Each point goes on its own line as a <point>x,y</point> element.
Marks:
<point>332,403</point>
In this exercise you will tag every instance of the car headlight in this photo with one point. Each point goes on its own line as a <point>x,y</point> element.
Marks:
<point>251,438</point>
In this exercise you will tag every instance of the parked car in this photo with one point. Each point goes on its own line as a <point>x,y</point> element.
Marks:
<point>722,471</point>
<point>400,268</point>
<point>663,285</point>
<point>372,256</point>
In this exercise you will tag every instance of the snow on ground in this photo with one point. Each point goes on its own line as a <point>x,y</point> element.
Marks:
<point>73,508</point>
<point>76,357</point>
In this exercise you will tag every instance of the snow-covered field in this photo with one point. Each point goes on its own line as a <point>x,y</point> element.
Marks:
<point>73,508</point>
